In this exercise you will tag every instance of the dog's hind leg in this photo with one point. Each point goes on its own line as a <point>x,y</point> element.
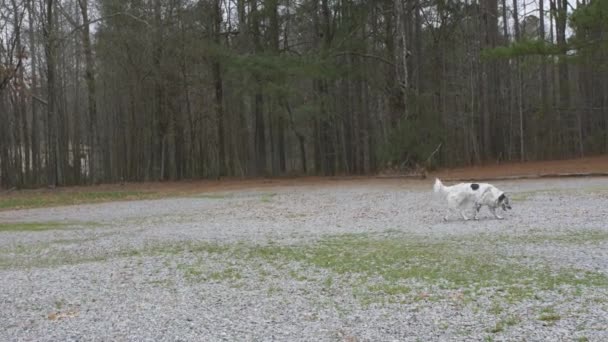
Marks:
<point>477,209</point>
<point>453,205</point>
<point>447,214</point>
<point>463,215</point>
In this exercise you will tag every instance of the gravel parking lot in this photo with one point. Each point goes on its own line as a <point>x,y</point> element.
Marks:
<point>346,261</point>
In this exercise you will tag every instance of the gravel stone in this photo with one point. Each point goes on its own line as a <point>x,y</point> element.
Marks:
<point>119,279</point>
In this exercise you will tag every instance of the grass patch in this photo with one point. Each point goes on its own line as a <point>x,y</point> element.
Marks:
<point>294,275</point>
<point>52,199</point>
<point>498,327</point>
<point>190,271</point>
<point>549,315</point>
<point>267,198</point>
<point>582,236</point>
<point>45,255</point>
<point>503,323</point>
<point>496,308</point>
<point>42,226</point>
<point>378,268</point>
<point>229,273</point>
<point>390,289</point>
<point>511,320</point>
<point>449,264</point>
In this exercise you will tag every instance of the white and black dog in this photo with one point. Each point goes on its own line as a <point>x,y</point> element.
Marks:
<point>473,195</point>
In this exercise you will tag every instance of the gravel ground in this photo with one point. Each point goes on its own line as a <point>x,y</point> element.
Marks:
<point>368,261</point>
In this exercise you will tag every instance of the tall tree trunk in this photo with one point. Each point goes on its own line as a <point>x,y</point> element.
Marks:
<point>559,7</point>
<point>260,126</point>
<point>489,78</point>
<point>547,122</point>
<point>50,49</point>
<point>161,119</point>
<point>35,126</point>
<point>21,131</point>
<point>275,34</point>
<point>219,89</point>
<point>394,89</point>
<point>418,57</point>
<point>326,123</point>
<point>89,76</point>
<point>520,85</point>
<point>402,16</point>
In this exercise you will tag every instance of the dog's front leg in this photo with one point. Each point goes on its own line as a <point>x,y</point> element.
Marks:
<point>447,215</point>
<point>477,208</point>
<point>464,216</point>
<point>493,210</point>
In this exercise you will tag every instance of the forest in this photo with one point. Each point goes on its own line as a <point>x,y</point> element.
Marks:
<point>98,91</point>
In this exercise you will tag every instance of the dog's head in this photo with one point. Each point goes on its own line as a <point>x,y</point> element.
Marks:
<point>503,202</point>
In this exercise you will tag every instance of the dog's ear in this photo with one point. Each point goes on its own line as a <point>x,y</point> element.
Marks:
<point>499,200</point>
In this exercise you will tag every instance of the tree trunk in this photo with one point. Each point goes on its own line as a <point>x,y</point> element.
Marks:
<point>519,85</point>
<point>545,119</point>
<point>161,118</point>
<point>260,126</point>
<point>89,76</point>
<point>21,129</point>
<point>559,7</point>
<point>50,54</point>
<point>219,90</point>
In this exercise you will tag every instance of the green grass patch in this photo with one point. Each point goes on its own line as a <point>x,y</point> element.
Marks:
<point>581,236</point>
<point>53,199</point>
<point>191,271</point>
<point>498,327</point>
<point>229,273</point>
<point>45,255</point>
<point>549,315</point>
<point>450,264</point>
<point>267,197</point>
<point>496,308</point>
<point>503,323</point>
<point>511,320</point>
<point>42,226</point>
<point>378,268</point>
<point>390,289</point>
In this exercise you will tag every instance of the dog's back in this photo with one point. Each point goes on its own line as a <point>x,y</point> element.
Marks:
<point>464,191</point>
<point>464,188</point>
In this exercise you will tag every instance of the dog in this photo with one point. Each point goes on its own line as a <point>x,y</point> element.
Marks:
<point>476,195</point>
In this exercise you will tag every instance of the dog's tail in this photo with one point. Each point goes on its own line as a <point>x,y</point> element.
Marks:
<point>438,187</point>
